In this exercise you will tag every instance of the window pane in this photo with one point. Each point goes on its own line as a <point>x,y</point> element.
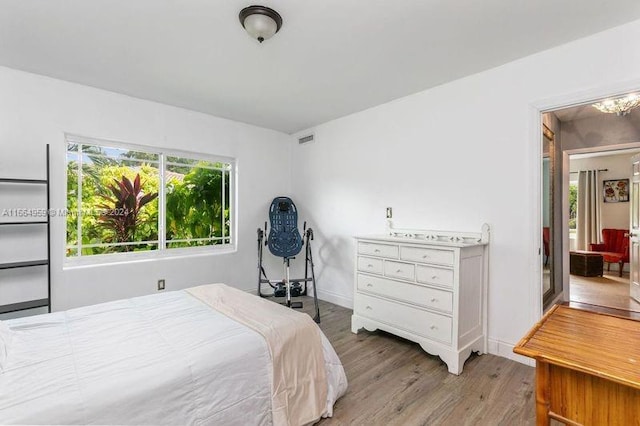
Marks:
<point>227,207</point>
<point>194,243</point>
<point>573,204</point>
<point>194,203</point>
<point>113,201</point>
<point>119,201</point>
<point>179,164</point>
<point>120,156</point>
<point>72,202</point>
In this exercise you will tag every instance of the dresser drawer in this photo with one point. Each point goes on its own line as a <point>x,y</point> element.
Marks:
<point>375,249</point>
<point>426,255</point>
<point>411,293</point>
<point>369,264</point>
<point>414,320</point>
<point>405,271</point>
<point>437,276</point>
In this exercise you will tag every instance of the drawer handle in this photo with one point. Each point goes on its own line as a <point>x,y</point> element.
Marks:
<point>369,266</point>
<point>369,285</point>
<point>425,256</point>
<point>376,251</point>
<point>398,271</point>
<point>435,277</point>
<point>433,327</point>
<point>368,307</point>
<point>434,300</point>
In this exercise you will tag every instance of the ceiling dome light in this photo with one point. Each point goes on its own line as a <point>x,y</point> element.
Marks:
<point>260,22</point>
<point>619,106</point>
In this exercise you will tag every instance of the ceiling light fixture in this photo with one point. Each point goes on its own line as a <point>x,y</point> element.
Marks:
<point>619,106</point>
<point>260,22</point>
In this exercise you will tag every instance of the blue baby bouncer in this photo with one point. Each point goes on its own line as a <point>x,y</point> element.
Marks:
<point>285,241</point>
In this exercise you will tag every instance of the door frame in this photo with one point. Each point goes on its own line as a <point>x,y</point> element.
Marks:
<point>536,109</point>
<point>565,202</point>
<point>633,231</point>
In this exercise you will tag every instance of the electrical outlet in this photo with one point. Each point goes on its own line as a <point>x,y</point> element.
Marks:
<point>389,213</point>
<point>161,284</point>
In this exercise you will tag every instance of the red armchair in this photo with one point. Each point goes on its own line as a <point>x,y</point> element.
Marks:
<point>545,244</point>
<point>614,248</point>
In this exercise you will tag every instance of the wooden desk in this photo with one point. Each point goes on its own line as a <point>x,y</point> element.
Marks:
<point>587,367</point>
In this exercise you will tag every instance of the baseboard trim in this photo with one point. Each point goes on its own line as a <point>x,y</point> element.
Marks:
<point>505,350</point>
<point>335,298</point>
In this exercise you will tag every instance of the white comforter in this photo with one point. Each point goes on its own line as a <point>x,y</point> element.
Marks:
<point>161,359</point>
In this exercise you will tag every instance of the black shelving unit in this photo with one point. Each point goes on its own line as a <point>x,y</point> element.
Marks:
<point>37,303</point>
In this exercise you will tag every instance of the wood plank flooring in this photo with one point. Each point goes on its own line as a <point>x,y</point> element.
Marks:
<point>394,382</point>
<point>609,290</point>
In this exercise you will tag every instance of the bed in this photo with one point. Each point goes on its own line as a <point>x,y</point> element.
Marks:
<point>168,358</point>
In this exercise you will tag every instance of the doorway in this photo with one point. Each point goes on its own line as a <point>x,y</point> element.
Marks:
<point>599,189</point>
<point>586,176</point>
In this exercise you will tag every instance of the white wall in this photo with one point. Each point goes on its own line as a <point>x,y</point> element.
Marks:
<point>36,110</point>
<point>452,157</point>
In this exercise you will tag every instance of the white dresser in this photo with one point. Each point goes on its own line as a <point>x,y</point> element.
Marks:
<point>426,286</point>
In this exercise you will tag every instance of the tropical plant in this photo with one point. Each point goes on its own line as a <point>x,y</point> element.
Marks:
<point>573,205</point>
<point>194,206</point>
<point>195,212</point>
<point>121,213</point>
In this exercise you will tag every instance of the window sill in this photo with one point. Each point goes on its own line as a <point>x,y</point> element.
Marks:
<point>71,263</point>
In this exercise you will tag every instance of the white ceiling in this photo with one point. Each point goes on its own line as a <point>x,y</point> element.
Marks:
<point>331,57</point>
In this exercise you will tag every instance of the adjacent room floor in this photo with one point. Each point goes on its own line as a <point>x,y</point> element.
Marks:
<point>394,382</point>
<point>610,290</point>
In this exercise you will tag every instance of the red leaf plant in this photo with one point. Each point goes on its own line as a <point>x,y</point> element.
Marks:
<point>121,212</point>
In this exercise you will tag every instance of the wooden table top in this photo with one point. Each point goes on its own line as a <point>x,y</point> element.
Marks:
<point>591,342</point>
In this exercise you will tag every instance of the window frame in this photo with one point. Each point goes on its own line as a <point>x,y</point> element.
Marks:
<point>162,251</point>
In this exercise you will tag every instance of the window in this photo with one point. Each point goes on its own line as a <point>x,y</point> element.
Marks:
<point>573,204</point>
<point>123,199</point>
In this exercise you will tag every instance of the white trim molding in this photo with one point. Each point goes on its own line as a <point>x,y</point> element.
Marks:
<point>505,350</point>
<point>335,298</point>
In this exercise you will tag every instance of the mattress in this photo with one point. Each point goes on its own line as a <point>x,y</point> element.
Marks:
<point>166,358</point>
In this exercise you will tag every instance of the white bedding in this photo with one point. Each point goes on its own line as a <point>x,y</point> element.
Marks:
<point>160,359</point>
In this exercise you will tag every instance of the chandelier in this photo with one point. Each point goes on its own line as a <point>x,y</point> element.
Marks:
<point>619,106</point>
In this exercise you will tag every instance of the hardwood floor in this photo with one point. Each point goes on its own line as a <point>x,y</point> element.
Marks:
<point>394,382</point>
<point>609,290</point>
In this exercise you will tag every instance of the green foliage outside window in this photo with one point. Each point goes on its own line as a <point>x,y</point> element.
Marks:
<point>573,205</point>
<point>196,204</point>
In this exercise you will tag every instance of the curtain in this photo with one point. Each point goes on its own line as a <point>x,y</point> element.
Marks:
<point>588,221</point>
